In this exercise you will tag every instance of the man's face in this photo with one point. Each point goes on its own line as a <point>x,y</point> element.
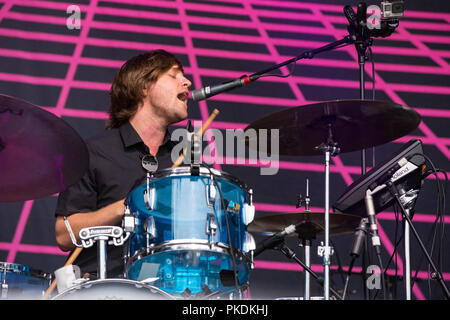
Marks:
<point>168,96</point>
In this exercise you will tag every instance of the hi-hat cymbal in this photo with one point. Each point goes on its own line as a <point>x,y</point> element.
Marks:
<point>40,154</point>
<point>311,223</point>
<point>352,124</point>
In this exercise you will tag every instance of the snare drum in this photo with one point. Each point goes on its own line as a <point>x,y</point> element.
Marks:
<point>22,282</point>
<point>184,229</point>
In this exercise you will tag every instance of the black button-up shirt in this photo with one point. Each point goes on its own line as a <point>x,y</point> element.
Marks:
<point>114,171</point>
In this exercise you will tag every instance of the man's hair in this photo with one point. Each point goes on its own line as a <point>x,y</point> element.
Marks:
<point>127,89</point>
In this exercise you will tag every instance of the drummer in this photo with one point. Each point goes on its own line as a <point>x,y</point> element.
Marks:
<point>148,93</point>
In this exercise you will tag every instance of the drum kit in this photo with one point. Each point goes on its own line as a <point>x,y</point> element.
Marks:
<point>186,231</point>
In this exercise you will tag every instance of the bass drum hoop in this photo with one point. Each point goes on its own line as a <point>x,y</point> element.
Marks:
<point>187,245</point>
<point>73,292</point>
<point>7,267</point>
<point>203,172</point>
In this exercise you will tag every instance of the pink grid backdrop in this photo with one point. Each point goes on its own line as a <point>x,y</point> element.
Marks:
<point>419,51</point>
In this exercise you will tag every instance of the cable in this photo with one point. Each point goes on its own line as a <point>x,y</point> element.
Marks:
<point>280,75</point>
<point>233,261</point>
<point>440,211</point>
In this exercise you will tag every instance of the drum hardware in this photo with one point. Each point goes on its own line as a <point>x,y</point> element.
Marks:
<point>330,149</point>
<point>211,227</point>
<point>306,239</point>
<point>150,230</point>
<point>227,223</point>
<point>292,255</point>
<point>306,225</point>
<point>345,125</point>
<point>4,286</point>
<point>406,205</point>
<point>103,235</point>
<point>210,193</point>
<point>22,282</point>
<point>248,212</point>
<point>149,193</point>
<point>408,200</point>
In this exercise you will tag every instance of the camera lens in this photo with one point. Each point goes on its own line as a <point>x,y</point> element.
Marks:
<point>397,8</point>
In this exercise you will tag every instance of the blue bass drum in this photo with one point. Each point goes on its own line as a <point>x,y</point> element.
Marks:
<point>182,237</point>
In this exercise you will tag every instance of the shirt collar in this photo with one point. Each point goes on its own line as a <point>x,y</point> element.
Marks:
<point>130,137</point>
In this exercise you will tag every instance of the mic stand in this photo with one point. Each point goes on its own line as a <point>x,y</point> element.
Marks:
<point>405,214</point>
<point>291,255</point>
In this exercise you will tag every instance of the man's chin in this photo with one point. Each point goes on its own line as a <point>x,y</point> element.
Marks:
<point>179,117</point>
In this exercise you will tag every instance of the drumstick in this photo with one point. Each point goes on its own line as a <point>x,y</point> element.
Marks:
<point>199,133</point>
<point>69,261</point>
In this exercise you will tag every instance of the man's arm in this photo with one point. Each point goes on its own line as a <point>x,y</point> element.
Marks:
<point>110,215</point>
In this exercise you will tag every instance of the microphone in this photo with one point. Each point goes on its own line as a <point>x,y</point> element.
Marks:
<point>361,14</point>
<point>351,18</point>
<point>376,243</point>
<point>275,239</point>
<point>209,91</point>
<point>360,234</point>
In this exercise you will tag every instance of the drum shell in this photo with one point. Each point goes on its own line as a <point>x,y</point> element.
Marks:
<point>180,208</point>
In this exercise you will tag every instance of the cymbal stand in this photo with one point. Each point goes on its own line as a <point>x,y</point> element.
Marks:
<point>291,255</point>
<point>330,148</point>
<point>306,239</point>
<point>406,202</point>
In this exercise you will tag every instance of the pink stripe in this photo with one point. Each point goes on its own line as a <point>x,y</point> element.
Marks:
<point>193,63</point>
<point>89,114</point>
<point>290,266</point>
<point>418,217</point>
<point>390,249</point>
<point>47,4</point>
<point>31,35</point>
<point>273,51</point>
<point>385,240</point>
<point>24,214</point>
<point>75,58</point>
<point>422,47</point>
<point>30,248</point>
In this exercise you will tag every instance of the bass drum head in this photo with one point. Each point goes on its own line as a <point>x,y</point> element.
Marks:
<point>113,289</point>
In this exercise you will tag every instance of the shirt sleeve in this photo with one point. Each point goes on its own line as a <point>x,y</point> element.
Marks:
<point>80,197</point>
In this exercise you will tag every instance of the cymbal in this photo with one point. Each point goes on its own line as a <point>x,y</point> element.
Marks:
<point>40,154</point>
<point>312,223</point>
<point>352,124</point>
